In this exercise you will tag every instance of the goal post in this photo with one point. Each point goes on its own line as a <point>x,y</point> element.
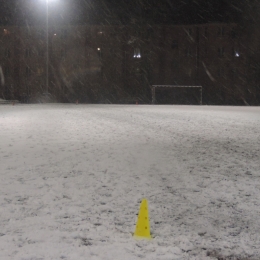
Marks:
<point>154,87</point>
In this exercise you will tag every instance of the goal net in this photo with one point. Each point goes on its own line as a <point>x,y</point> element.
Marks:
<point>175,94</point>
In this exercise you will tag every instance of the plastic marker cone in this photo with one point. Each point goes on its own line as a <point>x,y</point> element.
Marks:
<point>142,229</point>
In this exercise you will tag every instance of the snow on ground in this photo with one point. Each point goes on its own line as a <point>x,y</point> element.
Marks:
<point>72,178</point>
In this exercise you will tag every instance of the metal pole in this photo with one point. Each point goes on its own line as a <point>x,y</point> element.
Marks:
<point>47,43</point>
<point>201,95</point>
<point>153,95</point>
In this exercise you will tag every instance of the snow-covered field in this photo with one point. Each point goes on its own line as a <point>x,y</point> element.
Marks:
<point>72,178</point>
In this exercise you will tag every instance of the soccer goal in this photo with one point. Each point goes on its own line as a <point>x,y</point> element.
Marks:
<point>176,94</point>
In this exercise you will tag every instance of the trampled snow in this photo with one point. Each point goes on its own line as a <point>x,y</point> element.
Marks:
<point>72,178</point>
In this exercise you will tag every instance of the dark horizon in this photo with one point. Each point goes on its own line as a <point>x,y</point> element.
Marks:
<point>29,12</point>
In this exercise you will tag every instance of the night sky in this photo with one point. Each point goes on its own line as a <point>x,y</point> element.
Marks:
<point>125,11</point>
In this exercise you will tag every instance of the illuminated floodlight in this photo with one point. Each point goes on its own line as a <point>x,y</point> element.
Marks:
<point>49,2</point>
<point>237,54</point>
<point>98,49</point>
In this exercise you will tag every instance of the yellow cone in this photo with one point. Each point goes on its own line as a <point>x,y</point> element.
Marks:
<point>142,229</point>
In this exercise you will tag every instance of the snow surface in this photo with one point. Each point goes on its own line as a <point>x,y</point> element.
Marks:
<point>72,178</point>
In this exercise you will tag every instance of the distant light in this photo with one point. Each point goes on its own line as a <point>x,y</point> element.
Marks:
<point>137,53</point>
<point>138,56</point>
<point>237,54</point>
<point>55,34</point>
<point>100,32</point>
<point>98,49</point>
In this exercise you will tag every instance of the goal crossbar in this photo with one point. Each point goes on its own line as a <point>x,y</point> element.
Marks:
<point>174,86</point>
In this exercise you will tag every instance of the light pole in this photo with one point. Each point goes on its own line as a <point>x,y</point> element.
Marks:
<point>47,47</point>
